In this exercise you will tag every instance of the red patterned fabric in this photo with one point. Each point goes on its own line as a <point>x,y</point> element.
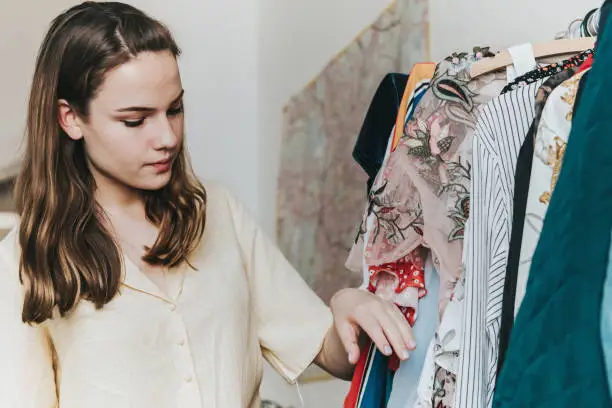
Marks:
<point>405,273</point>
<point>587,64</point>
<point>390,281</point>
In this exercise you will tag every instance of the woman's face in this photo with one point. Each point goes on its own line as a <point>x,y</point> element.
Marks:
<point>134,129</point>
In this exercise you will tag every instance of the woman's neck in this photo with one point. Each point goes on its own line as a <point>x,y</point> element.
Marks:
<point>124,208</point>
<point>119,199</point>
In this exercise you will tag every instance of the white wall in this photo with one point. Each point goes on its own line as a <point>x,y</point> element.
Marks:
<point>219,66</point>
<point>219,72</point>
<point>22,27</point>
<point>460,25</point>
<point>296,40</point>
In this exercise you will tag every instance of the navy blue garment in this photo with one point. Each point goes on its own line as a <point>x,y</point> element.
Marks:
<point>371,145</point>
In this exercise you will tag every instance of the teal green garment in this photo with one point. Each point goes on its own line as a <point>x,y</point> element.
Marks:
<point>606,320</point>
<point>555,358</point>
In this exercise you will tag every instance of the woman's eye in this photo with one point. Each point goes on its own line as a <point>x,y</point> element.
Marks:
<point>133,123</point>
<point>175,111</point>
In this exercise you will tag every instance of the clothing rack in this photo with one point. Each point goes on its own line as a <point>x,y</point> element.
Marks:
<point>588,26</point>
<point>487,214</point>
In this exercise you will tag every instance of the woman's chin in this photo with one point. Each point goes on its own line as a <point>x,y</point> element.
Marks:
<point>154,183</point>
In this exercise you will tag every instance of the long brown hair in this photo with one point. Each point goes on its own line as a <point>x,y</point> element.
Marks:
<point>67,254</point>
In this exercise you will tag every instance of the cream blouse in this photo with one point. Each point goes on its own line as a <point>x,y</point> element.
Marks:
<point>201,346</point>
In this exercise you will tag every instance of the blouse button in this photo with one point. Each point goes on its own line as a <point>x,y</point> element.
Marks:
<point>172,308</point>
<point>188,378</point>
<point>181,342</point>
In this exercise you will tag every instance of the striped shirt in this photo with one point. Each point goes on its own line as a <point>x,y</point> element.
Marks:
<point>501,129</point>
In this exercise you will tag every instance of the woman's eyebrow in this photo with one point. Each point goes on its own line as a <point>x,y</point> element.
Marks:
<point>148,108</point>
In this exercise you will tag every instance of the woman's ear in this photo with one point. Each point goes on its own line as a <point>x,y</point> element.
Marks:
<point>69,120</point>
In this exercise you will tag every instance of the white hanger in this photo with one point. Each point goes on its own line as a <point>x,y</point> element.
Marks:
<point>542,50</point>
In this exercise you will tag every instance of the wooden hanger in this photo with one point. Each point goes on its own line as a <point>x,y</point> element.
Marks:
<point>543,50</point>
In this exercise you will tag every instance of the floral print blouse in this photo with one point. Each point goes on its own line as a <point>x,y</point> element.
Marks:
<point>421,197</point>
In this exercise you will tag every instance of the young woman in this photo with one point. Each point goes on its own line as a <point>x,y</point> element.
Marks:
<point>129,283</point>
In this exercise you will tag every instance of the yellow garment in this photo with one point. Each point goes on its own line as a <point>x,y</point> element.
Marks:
<point>202,346</point>
<point>419,72</point>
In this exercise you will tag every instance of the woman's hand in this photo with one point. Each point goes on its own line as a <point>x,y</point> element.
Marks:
<point>356,311</point>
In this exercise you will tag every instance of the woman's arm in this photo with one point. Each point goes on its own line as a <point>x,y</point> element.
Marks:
<point>27,376</point>
<point>333,357</point>
<point>294,324</point>
<point>358,315</point>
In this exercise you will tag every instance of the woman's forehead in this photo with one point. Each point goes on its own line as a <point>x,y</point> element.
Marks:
<point>150,79</point>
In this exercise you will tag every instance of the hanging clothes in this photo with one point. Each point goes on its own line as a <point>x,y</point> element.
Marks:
<point>606,321</point>
<point>418,81</point>
<point>448,173</point>
<point>587,64</point>
<point>371,143</point>
<point>549,70</point>
<point>522,177</point>
<point>500,131</point>
<point>555,357</point>
<point>371,384</point>
<point>398,283</point>
<point>433,147</point>
<point>423,199</point>
<point>549,147</point>
<point>581,87</point>
<point>405,382</point>
<point>369,380</point>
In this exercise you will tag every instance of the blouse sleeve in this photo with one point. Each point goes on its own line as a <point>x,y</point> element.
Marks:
<point>27,377</point>
<point>293,320</point>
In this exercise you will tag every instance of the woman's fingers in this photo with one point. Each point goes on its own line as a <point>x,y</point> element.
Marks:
<point>371,325</point>
<point>348,335</point>
<point>387,327</point>
<point>405,328</point>
<point>381,320</point>
<point>372,319</point>
<point>391,327</point>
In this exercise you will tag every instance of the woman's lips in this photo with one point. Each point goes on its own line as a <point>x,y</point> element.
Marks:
<point>162,166</point>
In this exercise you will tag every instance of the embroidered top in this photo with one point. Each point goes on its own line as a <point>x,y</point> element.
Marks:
<point>356,259</point>
<point>422,198</point>
<point>423,194</point>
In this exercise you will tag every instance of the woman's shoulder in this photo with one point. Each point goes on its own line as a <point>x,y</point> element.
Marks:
<point>219,200</point>
<point>226,215</point>
<point>9,248</point>
<point>215,191</point>
<point>9,259</point>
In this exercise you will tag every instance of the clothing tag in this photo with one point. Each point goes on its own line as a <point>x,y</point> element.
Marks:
<point>523,61</point>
